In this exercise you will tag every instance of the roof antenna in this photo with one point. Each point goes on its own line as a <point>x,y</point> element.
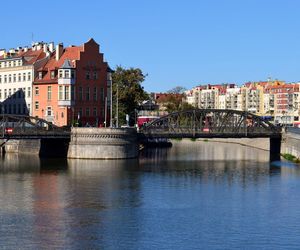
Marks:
<point>32,42</point>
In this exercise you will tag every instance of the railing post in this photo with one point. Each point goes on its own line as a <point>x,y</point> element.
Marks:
<point>194,123</point>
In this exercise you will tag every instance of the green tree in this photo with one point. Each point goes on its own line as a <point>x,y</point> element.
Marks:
<point>130,92</point>
<point>177,90</point>
<point>174,103</point>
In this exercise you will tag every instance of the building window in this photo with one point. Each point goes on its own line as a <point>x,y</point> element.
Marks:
<point>9,78</point>
<point>9,92</point>
<point>49,111</point>
<point>60,73</point>
<point>95,111</point>
<point>0,93</point>
<point>19,77</point>
<point>87,111</point>
<point>5,93</point>
<point>36,105</point>
<point>40,75</point>
<point>36,91</point>
<point>87,75</point>
<point>95,75</point>
<point>72,74</point>
<point>24,77</point>
<point>80,113</point>
<point>80,94</point>
<point>28,92</point>
<point>14,93</point>
<point>0,78</point>
<point>87,94</point>
<point>60,93</point>
<point>52,74</point>
<point>67,74</point>
<point>95,94</point>
<point>49,93</point>
<point>67,92</point>
<point>14,78</point>
<point>101,94</point>
<point>29,76</point>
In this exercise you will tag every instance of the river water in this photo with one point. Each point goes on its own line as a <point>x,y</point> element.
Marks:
<point>195,195</point>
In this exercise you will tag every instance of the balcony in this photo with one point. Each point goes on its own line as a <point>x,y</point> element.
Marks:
<point>66,103</point>
<point>66,80</point>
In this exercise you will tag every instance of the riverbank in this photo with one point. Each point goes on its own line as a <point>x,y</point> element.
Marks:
<point>258,143</point>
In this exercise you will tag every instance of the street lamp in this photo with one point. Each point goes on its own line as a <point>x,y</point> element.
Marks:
<point>117,106</point>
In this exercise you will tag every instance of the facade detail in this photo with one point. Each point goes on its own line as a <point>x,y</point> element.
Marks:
<point>71,88</point>
<point>18,68</point>
<point>64,86</point>
<point>276,100</point>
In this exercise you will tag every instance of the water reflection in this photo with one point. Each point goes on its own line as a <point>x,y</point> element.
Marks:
<point>167,197</point>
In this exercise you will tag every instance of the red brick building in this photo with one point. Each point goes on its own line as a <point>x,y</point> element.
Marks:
<point>73,87</point>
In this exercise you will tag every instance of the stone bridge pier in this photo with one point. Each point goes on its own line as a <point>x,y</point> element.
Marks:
<point>103,143</point>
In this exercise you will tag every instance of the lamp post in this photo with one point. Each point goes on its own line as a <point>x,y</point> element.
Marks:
<point>117,106</point>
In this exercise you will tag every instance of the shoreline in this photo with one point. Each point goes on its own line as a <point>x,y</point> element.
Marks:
<point>257,143</point>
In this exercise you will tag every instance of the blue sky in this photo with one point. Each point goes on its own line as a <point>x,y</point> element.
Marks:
<point>184,43</point>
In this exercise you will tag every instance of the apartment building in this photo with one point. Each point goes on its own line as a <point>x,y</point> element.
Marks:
<point>18,68</point>
<point>265,98</point>
<point>73,87</point>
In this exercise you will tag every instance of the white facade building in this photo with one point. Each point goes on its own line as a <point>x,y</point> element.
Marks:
<point>17,73</point>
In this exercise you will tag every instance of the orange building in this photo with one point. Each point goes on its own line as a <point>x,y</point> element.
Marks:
<point>72,87</point>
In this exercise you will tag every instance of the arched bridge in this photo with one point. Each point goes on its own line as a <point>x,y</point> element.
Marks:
<point>213,123</point>
<point>28,127</point>
<point>210,123</point>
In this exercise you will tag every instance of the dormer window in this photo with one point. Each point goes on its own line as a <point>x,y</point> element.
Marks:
<point>40,75</point>
<point>52,74</point>
<point>60,73</point>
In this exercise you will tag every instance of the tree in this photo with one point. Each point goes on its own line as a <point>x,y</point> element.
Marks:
<point>175,102</point>
<point>177,90</point>
<point>130,92</point>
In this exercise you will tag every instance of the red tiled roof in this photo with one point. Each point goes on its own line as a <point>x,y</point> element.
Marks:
<point>30,56</point>
<point>70,53</point>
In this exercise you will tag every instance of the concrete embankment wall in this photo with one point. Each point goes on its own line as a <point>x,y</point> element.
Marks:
<point>103,143</point>
<point>42,147</point>
<point>259,143</point>
<point>291,142</point>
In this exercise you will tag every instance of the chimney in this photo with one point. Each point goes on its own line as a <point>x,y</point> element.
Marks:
<point>59,51</point>
<point>45,47</point>
<point>39,46</point>
<point>51,47</point>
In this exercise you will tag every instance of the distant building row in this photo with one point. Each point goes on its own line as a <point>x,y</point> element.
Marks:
<point>275,99</point>
<point>60,85</point>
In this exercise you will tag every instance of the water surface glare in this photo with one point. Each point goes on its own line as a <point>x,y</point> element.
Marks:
<point>195,195</point>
